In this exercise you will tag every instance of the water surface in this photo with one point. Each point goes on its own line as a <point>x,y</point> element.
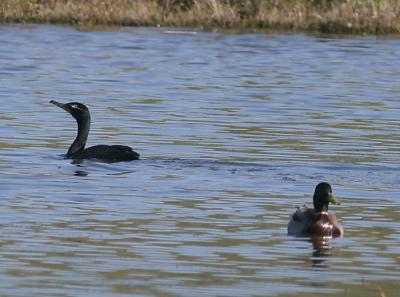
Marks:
<point>234,131</point>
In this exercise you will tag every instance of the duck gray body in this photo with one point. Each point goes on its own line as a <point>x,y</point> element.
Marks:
<point>307,222</point>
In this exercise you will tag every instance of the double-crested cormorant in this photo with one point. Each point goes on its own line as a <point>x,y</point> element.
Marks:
<point>108,153</point>
<point>316,222</point>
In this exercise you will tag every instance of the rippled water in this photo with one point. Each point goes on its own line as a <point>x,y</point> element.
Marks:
<point>234,132</point>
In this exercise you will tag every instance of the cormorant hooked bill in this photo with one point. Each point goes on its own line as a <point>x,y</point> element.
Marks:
<point>108,153</point>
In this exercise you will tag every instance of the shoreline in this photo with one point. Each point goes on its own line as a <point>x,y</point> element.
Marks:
<point>375,17</point>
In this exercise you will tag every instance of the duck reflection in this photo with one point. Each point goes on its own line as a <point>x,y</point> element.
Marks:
<point>322,249</point>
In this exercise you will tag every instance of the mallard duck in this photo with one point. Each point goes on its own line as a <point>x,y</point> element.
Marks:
<point>316,222</point>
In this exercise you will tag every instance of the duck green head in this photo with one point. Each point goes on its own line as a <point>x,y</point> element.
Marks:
<point>322,196</point>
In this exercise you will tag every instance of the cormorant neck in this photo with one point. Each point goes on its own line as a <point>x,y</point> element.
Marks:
<point>81,137</point>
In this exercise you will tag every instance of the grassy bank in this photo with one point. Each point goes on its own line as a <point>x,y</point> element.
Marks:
<point>336,16</point>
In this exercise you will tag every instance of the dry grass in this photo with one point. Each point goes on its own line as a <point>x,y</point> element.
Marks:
<point>338,16</point>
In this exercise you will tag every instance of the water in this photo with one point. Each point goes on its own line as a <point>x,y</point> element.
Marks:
<point>234,132</point>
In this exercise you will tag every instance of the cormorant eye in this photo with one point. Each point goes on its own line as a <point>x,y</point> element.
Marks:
<point>74,106</point>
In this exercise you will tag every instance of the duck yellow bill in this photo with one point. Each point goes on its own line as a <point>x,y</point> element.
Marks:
<point>332,199</point>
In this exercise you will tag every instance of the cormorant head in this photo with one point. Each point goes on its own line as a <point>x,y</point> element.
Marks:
<point>322,196</point>
<point>78,110</point>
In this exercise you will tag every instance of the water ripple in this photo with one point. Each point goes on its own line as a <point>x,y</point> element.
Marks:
<point>235,131</point>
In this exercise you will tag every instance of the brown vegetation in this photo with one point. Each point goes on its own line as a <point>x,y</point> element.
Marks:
<point>338,16</point>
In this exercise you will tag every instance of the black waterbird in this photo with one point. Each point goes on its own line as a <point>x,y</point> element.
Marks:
<point>108,153</point>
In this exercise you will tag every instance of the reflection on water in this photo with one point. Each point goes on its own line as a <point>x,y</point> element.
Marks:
<point>235,131</point>
<point>80,173</point>
<point>321,249</point>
